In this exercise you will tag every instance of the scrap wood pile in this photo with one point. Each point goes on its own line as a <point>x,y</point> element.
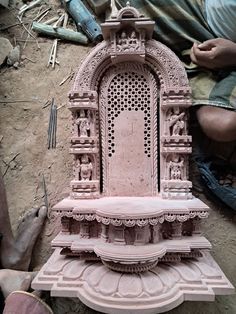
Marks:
<point>73,22</point>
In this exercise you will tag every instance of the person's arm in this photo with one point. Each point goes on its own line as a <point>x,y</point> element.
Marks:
<point>215,53</point>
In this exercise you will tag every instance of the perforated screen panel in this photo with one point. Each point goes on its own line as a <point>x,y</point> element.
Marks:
<point>129,91</point>
<point>128,113</point>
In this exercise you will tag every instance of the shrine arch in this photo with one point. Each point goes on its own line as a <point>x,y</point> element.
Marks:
<point>172,88</point>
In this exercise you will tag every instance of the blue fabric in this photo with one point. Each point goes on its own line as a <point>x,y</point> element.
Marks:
<point>221,16</point>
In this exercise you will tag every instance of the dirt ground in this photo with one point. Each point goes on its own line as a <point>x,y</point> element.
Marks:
<point>23,135</point>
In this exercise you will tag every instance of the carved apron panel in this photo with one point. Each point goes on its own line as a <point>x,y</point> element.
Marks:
<point>129,137</point>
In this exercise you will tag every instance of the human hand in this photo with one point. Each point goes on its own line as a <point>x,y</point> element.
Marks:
<point>214,53</point>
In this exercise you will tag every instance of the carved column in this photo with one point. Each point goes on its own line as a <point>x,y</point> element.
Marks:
<point>155,233</point>
<point>84,230</point>
<point>104,233</point>
<point>84,144</point>
<point>75,226</point>
<point>140,235</point>
<point>196,223</point>
<point>119,234</point>
<point>176,229</point>
<point>65,225</point>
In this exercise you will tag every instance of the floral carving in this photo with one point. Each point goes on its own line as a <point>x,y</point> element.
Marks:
<point>141,222</point>
<point>171,68</point>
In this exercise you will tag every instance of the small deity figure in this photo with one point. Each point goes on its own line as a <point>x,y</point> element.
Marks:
<point>83,124</point>
<point>126,42</point>
<point>86,168</point>
<point>176,122</point>
<point>133,41</point>
<point>123,43</point>
<point>175,167</point>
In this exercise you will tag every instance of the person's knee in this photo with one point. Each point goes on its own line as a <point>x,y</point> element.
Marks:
<point>218,124</point>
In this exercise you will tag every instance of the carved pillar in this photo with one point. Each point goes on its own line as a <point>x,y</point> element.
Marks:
<point>75,226</point>
<point>104,233</point>
<point>155,233</point>
<point>176,229</point>
<point>74,126</point>
<point>84,229</point>
<point>84,144</point>
<point>91,117</point>
<point>119,234</point>
<point>140,235</point>
<point>65,225</point>
<point>196,223</point>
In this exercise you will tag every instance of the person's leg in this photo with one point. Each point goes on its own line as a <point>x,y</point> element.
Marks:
<point>16,253</point>
<point>217,123</point>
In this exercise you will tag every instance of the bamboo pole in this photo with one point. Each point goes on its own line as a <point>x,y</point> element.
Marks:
<point>59,32</point>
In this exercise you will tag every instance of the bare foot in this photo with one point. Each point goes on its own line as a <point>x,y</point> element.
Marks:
<point>14,280</point>
<point>18,255</point>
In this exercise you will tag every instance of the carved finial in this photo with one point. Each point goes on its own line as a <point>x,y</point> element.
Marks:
<point>128,4</point>
<point>114,9</point>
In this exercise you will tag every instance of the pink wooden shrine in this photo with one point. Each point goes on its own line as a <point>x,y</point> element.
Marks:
<point>131,206</point>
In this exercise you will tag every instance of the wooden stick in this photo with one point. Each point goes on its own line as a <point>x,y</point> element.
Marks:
<point>8,164</point>
<point>55,127</point>
<point>28,41</point>
<point>61,107</point>
<point>67,78</point>
<point>50,60</point>
<point>52,20</point>
<point>39,16</point>
<point>59,21</point>
<point>24,6</point>
<point>28,36</point>
<point>30,59</point>
<point>43,16</point>
<point>60,33</point>
<point>53,54</point>
<point>47,103</point>
<point>52,128</point>
<point>65,22</point>
<point>45,192</point>
<point>50,56</point>
<point>26,28</point>
<point>50,125</point>
<point>9,26</point>
<point>28,7</point>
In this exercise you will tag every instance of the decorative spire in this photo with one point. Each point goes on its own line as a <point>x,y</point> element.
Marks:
<point>114,9</point>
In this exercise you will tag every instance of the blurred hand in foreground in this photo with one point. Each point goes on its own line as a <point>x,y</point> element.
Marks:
<point>217,53</point>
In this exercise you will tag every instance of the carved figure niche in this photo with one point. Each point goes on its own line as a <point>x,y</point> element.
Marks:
<point>129,132</point>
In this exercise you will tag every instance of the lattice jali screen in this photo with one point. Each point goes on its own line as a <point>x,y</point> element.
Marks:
<point>129,91</point>
<point>128,106</point>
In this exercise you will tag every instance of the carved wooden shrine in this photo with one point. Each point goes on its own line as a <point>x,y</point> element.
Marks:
<point>131,206</point>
